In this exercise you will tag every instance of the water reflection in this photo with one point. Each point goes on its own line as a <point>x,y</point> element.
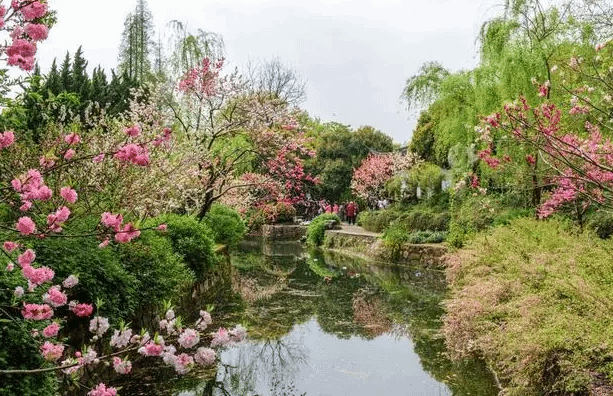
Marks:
<point>323,324</point>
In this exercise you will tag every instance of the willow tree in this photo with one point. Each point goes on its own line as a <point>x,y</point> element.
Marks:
<point>188,49</point>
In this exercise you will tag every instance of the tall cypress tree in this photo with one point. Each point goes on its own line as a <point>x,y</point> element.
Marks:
<point>80,79</point>
<point>53,83</point>
<point>66,74</point>
<point>136,43</point>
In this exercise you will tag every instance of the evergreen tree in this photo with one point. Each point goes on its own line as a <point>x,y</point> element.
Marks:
<point>136,43</point>
<point>53,82</point>
<point>80,79</point>
<point>66,74</point>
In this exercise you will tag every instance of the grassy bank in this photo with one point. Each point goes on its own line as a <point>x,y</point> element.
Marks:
<point>535,300</point>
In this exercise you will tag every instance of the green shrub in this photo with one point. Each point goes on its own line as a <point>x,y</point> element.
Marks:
<point>477,213</point>
<point>427,237</point>
<point>377,220</point>
<point>191,240</point>
<point>422,220</point>
<point>161,273</point>
<point>317,228</point>
<point>102,273</point>
<point>602,224</point>
<point>226,225</point>
<point>394,237</point>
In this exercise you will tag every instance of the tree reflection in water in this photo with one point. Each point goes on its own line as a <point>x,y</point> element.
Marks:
<point>276,360</point>
<point>325,324</point>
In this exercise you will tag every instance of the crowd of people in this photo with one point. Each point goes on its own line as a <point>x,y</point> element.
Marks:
<point>346,211</point>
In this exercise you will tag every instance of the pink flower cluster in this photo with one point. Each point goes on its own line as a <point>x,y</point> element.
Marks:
<point>51,330</point>
<point>153,348</point>
<point>52,352</point>
<point>205,356</point>
<point>29,9</point>
<point>121,338</point>
<point>122,366</point>
<point>163,138</point>
<point>204,320</point>
<point>37,31</point>
<point>72,138</point>
<point>9,246</point>
<point>37,276</point>
<point>122,234</point>
<point>31,187</point>
<point>82,309</point>
<point>201,80</point>
<point>37,312</point>
<point>6,139</point>
<point>132,131</point>
<point>26,258</point>
<point>99,325</point>
<point>55,220</point>
<point>55,297</point>
<point>21,54</point>
<point>70,282</point>
<point>133,153</point>
<point>189,338</point>
<point>69,194</point>
<point>102,390</point>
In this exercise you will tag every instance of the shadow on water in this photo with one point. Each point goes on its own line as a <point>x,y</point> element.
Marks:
<point>325,324</point>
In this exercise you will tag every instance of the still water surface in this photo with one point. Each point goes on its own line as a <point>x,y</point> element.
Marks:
<point>329,325</point>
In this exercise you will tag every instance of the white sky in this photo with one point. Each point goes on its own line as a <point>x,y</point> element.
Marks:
<point>354,55</point>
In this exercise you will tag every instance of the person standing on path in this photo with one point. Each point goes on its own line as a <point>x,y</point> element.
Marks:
<point>351,212</point>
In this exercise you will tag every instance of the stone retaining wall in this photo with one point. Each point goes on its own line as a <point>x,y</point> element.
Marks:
<point>283,232</point>
<point>425,255</point>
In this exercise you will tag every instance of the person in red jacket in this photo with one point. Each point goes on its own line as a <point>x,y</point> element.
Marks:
<point>352,212</point>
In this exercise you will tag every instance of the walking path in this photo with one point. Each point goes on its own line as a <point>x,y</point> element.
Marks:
<point>351,229</point>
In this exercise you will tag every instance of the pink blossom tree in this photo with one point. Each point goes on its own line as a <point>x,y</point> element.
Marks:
<point>376,170</point>
<point>566,143</point>
<point>233,130</point>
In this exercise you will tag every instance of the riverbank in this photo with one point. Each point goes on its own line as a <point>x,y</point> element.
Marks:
<point>361,243</point>
<point>534,299</point>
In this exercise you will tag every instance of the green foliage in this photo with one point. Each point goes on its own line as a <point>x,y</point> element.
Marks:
<point>602,224</point>
<point>339,151</point>
<point>547,286</point>
<point>422,88</point>
<point>191,240</point>
<point>422,139</point>
<point>160,271</point>
<point>377,220</point>
<point>317,228</point>
<point>136,43</point>
<point>427,237</point>
<point>420,219</point>
<point>227,227</point>
<point>476,213</point>
<point>103,274</point>
<point>66,96</point>
<point>18,351</point>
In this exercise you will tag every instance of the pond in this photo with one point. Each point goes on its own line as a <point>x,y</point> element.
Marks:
<point>324,324</point>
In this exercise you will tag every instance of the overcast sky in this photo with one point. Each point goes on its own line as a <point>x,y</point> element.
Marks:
<point>354,55</point>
